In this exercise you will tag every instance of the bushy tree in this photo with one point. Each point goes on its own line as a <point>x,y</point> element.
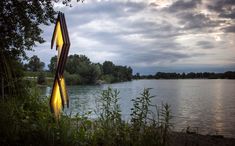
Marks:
<point>20,22</point>
<point>53,64</point>
<point>108,67</point>
<point>20,31</point>
<point>35,64</point>
<point>19,25</point>
<point>41,78</point>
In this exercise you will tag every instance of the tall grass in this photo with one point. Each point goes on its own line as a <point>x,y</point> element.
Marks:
<point>28,121</point>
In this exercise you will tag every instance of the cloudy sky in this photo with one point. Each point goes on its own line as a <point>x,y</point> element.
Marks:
<point>151,35</point>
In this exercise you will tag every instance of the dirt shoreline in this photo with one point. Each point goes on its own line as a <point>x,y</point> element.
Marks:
<point>185,139</point>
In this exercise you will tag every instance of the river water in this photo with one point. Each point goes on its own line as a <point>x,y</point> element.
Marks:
<point>207,106</point>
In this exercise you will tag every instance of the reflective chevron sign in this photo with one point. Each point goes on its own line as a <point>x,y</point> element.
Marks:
<point>59,97</point>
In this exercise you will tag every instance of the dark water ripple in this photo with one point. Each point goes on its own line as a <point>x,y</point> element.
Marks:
<point>206,105</point>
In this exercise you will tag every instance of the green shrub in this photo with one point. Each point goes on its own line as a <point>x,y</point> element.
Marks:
<point>149,127</point>
<point>109,124</point>
<point>72,79</point>
<point>28,121</point>
<point>41,78</point>
<point>108,78</point>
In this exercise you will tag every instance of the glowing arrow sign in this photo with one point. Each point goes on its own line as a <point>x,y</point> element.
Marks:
<point>59,97</point>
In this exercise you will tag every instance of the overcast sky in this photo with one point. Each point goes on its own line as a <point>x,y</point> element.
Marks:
<point>150,35</point>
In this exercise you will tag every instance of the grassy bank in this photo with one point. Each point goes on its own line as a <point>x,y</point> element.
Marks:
<point>47,78</point>
<point>28,121</point>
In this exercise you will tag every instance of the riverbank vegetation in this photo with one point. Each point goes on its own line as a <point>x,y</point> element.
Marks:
<point>191,75</point>
<point>80,70</point>
<point>28,121</point>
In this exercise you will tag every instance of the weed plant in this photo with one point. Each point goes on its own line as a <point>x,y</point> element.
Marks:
<point>28,121</point>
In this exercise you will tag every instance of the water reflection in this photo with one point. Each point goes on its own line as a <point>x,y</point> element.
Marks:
<point>218,108</point>
<point>206,104</point>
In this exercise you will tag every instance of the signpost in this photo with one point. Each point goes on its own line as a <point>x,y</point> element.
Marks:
<point>59,97</point>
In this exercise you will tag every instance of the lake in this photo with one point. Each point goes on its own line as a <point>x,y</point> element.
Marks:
<point>206,105</point>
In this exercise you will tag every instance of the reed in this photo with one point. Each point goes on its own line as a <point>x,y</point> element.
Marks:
<point>28,121</point>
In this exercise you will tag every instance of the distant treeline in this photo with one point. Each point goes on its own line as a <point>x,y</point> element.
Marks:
<point>191,75</point>
<point>80,70</point>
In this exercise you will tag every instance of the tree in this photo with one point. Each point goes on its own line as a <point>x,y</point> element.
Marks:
<point>41,78</point>
<point>35,64</point>
<point>90,73</point>
<point>108,67</point>
<point>20,22</point>
<point>77,64</point>
<point>20,31</point>
<point>19,25</point>
<point>53,64</point>
<point>137,76</point>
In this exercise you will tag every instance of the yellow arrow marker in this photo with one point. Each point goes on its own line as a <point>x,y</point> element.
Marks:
<point>59,95</point>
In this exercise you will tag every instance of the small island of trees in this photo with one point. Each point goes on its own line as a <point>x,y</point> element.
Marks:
<point>80,70</point>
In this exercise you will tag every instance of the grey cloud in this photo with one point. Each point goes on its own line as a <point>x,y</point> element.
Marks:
<point>136,52</point>
<point>153,4</point>
<point>115,39</point>
<point>205,44</point>
<point>188,17</point>
<point>137,40</point>
<point>109,8</point>
<point>183,5</point>
<point>157,56</point>
<point>228,15</point>
<point>150,29</point>
<point>193,20</point>
<point>184,10</point>
<point>225,9</point>
<point>85,13</point>
<point>229,29</point>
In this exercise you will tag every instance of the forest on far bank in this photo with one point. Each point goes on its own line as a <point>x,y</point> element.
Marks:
<point>190,75</point>
<point>79,70</point>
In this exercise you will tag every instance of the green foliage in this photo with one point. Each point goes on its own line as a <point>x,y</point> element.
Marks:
<point>140,110</point>
<point>108,78</point>
<point>20,32</point>
<point>34,64</point>
<point>109,124</point>
<point>80,70</point>
<point>81,66</point>
<point>35,74</point>
<point>41,78</point>
<point>28,121</point>
<point>20,24</point>
<point>191,75</point>
<point>77,64</point>
<point>108,67</point>
<point>71,79</point>
<point>116,73</point>
<point>23,120</point>
<point>143,129</point>
<point>53,64</point>
<point>148,128</point>
<point>11,71</point>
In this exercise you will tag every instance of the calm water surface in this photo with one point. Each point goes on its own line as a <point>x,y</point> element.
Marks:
<point>208,105</point>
